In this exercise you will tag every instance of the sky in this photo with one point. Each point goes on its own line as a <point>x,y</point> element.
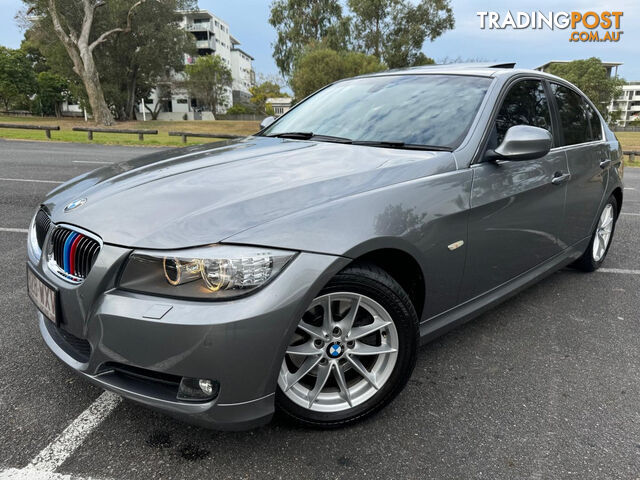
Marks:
<point>248,22</point>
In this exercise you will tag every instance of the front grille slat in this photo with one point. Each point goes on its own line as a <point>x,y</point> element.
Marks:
<point>42,224</point>
<point>84,255</point>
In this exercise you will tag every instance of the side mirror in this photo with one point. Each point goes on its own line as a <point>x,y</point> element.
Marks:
<point>523,142</point>
<point>266,122</point>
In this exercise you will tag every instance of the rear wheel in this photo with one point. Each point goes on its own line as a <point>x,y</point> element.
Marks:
<point>353,351</point>
<point>601,238</point>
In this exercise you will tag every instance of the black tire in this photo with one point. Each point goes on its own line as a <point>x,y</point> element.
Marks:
<point>587,262</point>
<point>372,281</point>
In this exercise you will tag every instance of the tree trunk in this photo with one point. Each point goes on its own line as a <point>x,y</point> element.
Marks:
<point>132,84</point>
<point>101,112</point>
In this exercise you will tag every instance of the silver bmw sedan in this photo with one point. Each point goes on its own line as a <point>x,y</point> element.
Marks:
<point>300,268</point>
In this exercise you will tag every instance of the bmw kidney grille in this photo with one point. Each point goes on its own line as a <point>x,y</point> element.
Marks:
<point>73,253</point>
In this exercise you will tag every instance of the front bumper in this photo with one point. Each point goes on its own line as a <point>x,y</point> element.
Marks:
<point>238,343</point>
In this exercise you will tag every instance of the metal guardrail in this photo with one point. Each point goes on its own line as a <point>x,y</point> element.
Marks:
<point>47,128</point>
<point>185,135</point>
<point>90,131</point>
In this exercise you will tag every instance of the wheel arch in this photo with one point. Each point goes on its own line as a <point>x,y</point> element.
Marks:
<point>399,261</point>
<point>617,193</point>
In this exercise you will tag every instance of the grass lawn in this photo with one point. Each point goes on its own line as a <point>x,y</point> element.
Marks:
<point>630,141</point>
<point>162,139</point>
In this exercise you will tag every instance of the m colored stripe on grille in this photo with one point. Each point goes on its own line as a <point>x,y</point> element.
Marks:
<point>67,250</point>
<point>72,254</point>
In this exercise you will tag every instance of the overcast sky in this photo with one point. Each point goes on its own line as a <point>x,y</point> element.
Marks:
<point>529,48</point>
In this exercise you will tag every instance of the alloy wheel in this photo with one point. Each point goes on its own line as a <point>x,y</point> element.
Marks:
<point>343,351</point>
<point>603,233</point>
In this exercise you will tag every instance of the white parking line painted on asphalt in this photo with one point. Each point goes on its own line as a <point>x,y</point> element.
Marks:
<point>14,230</point>
<point>29,180</point>
<point>631,214</point>
<point>31,474</point>
<point>54,454</point>
<point>619,270</point>
<point>92,161</point>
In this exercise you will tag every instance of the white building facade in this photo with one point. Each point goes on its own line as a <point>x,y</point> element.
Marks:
<point>213,37</point>
<point>628,104</point>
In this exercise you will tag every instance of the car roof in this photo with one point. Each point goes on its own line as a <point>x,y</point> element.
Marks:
<point>471,69</point>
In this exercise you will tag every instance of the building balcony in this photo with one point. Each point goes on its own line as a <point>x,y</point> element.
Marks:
<point>206,44</point>
<point>634,108</point>
<point>199,27</point>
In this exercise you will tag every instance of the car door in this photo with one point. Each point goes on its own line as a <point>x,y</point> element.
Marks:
<point>588,161</point>
<point>517,207</point>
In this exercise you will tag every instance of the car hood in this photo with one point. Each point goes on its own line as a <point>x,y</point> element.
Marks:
<point>200,195</point>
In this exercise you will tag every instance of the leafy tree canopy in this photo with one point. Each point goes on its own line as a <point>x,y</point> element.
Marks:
<point>320,66</point>
<point>591,77</point>
<point>300,22</point>
<point>17,80</point>
<point>393,31</point>
<point>53,89</point>
<point>208,81</point>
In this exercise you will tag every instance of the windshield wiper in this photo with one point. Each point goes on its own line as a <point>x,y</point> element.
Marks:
<point>294,135</point>
<point>401,145</point>
<point>367,143</point>
<point>310,136</point>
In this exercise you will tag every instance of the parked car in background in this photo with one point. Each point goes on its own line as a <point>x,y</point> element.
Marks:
<point>300,268</point>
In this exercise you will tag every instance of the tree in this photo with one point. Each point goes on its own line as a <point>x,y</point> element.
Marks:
<point>300,22</point>
<point>73,23</point>
<point>262,91</point>
<point>394,31</point>
<point>52,91</point>
<point>144,41</point>
<point>208,80</point>
<point>17,80</point>
<point>321,66</point>
<point>132,65</point>
<point>592,78</point>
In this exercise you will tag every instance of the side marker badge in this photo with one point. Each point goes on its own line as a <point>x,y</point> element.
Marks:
<point>455,245</point>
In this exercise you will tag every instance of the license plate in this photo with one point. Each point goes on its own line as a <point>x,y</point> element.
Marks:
<point>42,295</point>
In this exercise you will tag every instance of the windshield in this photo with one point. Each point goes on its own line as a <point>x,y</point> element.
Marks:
<point>432,110</point>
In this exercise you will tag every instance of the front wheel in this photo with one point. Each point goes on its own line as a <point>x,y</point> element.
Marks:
<point>353,350</point>
<point>601,238</point>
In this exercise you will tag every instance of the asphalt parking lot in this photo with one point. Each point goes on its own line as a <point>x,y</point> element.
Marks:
<point>545,386</point>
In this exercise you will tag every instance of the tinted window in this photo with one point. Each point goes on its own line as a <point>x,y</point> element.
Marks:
<point>525,104</point>
<point>594,121</point>
<point>573,115</point>
<point>416,109</point>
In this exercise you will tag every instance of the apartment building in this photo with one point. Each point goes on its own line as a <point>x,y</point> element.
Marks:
<point>213,37</point>
<point>628,104</point>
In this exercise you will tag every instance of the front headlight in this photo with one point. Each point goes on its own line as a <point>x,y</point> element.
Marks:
<point>213,272</point>
<point>35,252</point>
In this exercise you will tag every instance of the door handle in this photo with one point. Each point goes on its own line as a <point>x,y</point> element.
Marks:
<point>560,178</point>
<point>605,163</point>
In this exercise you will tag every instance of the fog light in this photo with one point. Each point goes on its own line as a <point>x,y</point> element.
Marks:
<point>197,389</point>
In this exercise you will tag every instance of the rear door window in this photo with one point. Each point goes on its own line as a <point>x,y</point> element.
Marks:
<point>573,113</point>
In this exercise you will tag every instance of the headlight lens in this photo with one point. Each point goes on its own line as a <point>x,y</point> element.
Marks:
<point>32,241</point>
<point>213,272</point>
